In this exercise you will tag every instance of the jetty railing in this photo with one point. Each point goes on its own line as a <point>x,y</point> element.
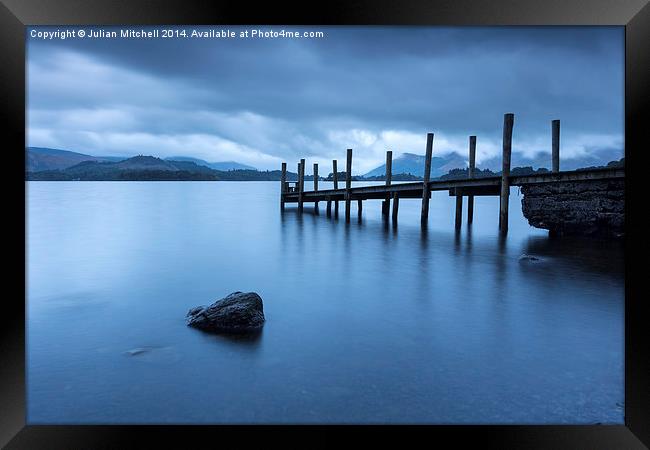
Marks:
<point>294,192</point>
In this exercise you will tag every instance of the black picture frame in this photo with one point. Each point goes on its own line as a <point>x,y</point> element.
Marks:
<point>15,15</point>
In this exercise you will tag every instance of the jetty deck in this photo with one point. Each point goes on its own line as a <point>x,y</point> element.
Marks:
<point>294,192</point>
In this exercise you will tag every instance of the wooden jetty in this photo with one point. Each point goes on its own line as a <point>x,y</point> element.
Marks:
<point>294,192</point>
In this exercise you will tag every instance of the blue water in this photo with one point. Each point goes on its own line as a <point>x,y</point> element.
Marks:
<point>366,323</point>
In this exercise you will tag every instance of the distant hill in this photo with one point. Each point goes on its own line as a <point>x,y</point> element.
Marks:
<point>223,165</point>
<point>38,159</point>
<point>41,158</point>
<point>150,168</point>
<point>230,165</point>
<point>410,163</point>
<point>596,158</point>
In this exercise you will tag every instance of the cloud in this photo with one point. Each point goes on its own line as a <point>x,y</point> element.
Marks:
<point>367,88</point>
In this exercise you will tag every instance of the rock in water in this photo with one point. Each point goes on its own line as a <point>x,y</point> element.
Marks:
<point>239,312</point>
<point>526,257</point>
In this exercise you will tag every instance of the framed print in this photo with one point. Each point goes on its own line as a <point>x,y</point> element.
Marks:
<point>241,218</point>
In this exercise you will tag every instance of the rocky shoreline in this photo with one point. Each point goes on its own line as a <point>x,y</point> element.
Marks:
<point>590,208</point>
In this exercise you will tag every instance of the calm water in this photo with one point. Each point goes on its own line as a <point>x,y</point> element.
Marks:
<point>365,322</point>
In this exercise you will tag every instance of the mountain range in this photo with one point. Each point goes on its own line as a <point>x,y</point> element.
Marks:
<point>223,165</point>
<point>150,168</point>
<point>410,163</point>
<point>54,164</point>
<point>40,158</point>
<point>441,165</point>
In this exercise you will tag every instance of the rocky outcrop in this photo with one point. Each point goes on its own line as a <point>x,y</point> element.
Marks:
<point>594,208</point>
<point>239,312</point>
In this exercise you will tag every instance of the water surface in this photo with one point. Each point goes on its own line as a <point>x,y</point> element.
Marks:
<point>366,322</point>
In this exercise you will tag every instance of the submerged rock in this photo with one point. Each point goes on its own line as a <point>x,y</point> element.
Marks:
<point>137,351</point>
<point>239,312</point>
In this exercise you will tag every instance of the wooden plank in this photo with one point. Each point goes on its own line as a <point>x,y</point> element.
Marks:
<point>475,191</point>
<point>555,142</point>
<point>568,176</point>
<point>348,183</point>
<point>424,216</point>
<point>508,122</point>
<point>476,186</point>
<point>472,166</point>
<point>283,185</point>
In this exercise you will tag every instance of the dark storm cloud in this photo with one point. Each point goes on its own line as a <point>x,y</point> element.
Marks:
<point>367,87</point>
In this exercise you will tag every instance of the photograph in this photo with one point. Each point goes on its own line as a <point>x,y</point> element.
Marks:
<point>325,225</point>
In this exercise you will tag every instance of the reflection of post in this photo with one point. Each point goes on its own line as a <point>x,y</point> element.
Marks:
<point>424,217</point>
<point>301,183</point>
<point>395,206</point>
<point>348,184</point>
<point>336,186</point>
<point>315,183</point>
<point>470,172</point>
<point>508,122</point>
<point>359,206</point>
<point>555,151</point>
<point>389,176</point>
<point>283,186</point>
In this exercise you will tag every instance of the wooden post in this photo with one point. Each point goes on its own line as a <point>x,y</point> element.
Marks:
<point>283,187</point>
<point>424,217</point>
<point>360,205</point>
<point>395,206</point>
<point>348,184</point>
<point>459,211</point>
<point>301,184</point>
<point>508,122</point>
<point>298,186</point>
<point>336,186</point>
<point>315,182</point>
<point>555,151</point>
<point>389,177</point>
<point>470,172</point>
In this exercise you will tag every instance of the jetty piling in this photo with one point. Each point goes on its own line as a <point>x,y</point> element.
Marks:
<point>470,186</point>
<point>508,122</point>
<point>470,173</point>
<point>424,216</point>
<point>301,184</point>
<point>316,184</point>
<point>459,211</point>
<point>555,146</point>
<point>335,178</point>
<point>385,206</point>
<point>283,185</point>
<point>395,205</point>
<point>348,184</point>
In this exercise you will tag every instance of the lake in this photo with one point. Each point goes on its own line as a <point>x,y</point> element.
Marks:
<point>366,322</point>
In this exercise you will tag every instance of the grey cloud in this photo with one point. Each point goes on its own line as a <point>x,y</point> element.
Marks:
<point>454,81</point>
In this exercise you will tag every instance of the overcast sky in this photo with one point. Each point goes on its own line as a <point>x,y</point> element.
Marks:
<point>264,101</point>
